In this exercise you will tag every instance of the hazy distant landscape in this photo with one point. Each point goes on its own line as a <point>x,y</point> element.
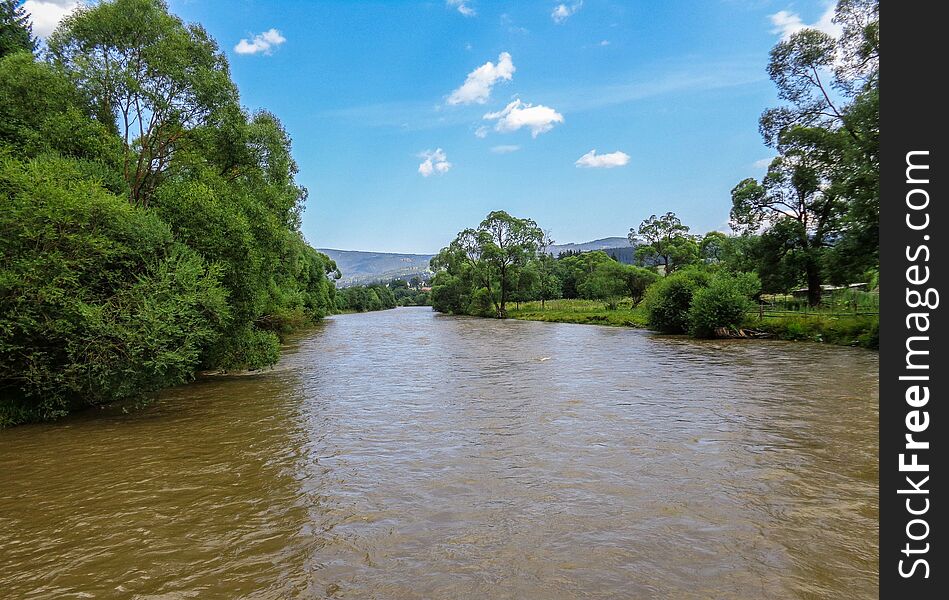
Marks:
<point>361,267</point>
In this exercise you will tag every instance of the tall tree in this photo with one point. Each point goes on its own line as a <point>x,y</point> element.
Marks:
<point>826,180</point>
<point>796,193</point>
<point>664,239</point>
<point>149,75</point>
<point>548,284</point>
<point>483,265</point>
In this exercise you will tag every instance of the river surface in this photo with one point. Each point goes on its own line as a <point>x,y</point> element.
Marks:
<point>405,454</point>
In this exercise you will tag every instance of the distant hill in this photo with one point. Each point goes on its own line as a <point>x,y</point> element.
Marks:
<point>603,244</point>
<point>366,267</point>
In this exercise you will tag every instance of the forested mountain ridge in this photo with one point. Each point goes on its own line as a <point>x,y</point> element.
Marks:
<point>359,266</point>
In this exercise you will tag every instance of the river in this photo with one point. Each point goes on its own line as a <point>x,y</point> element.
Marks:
<point>406,454</point>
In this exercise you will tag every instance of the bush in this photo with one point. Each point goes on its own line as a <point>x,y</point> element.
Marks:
<point>98,302</point>
<point>668,301</point>
<point>244,347</point>
<point>722,304</point>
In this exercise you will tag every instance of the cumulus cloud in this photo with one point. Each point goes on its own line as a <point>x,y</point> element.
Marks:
<point>563,12</point>
<point>787,23</point>
<point>505,149</point>
<point>462,7</point>
<point>261,43</point>
<point>46,14</point>
<point>434,162</point>
<point>481,132</point>
<point>592,160</point>
<point>478,84</point>
<point>539,119</point>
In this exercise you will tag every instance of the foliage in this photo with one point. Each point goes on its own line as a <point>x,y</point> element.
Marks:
<point>362,298</point>
<point>586,312</point>
<point>484,265</point>
<point>149,75</point>
<point>666,240</point>
<point>863,331</point>
<point>723,303</point>
<point>150,225</point>
<point>826,178</point>
<point>16,31</point>
<point>668,301</point>
<point>97,300</point>
<point>42,112</point>
<point>611,280</point>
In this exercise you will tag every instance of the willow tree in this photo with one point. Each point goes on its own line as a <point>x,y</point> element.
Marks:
<point>485,263</point>
<point>148,74</point>
<point>830,87</point>
<point>666,240</point>
<point>797,202</point>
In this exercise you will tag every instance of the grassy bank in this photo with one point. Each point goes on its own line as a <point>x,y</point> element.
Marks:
<point>861,330</point>
<point>589,312</point>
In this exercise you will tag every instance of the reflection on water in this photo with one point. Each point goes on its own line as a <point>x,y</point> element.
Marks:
<point>404,454</point>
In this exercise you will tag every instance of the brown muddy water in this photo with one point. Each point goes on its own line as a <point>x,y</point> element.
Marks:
<point>404,454</point>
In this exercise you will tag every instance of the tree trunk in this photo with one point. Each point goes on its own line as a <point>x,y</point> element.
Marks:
<point>502,309</point>
<point>813,283</point>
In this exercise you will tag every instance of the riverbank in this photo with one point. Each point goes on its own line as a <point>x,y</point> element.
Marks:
<point>584,312</point>
<point>862,331</point>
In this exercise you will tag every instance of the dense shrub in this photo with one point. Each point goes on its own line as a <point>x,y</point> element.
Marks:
<point>722,304</point>
<point>98,302</point>
<point>667,302</point>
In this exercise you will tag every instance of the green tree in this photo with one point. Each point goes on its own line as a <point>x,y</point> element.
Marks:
<point>490,258</point>
<point>668,301</point>
<point>796,194</point>
<point>548,284</point>
<point>98,301</point>
<point>42,112</point>
<point>611,280</point>
<point>147,74</point>
<point>666,240</point>
<point>830,90</point>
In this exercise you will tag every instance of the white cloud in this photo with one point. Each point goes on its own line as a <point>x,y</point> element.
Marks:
<point>591,160</point>
<point>462,6</point>
<point>604,42</point>
<point>46,14</point>
<point>262,42</point>
<point>435,162</point>
<point>787,23</point>
<point>505,149</point>
<point>478,84</point>
<point>562,12</point>
<point>762,163</point>
<point>481,132</point>
<point>539,119</point>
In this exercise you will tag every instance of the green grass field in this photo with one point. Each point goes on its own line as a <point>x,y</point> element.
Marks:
<point>589,312</point>
<point>858,330</point>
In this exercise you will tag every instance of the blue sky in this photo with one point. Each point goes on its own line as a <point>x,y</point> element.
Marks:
<point>398,158</point>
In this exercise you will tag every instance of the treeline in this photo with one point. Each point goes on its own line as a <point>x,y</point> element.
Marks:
<point>149,225</point>
<point>812,219</point>
<point>379,296</point>
<point>504,260</point>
